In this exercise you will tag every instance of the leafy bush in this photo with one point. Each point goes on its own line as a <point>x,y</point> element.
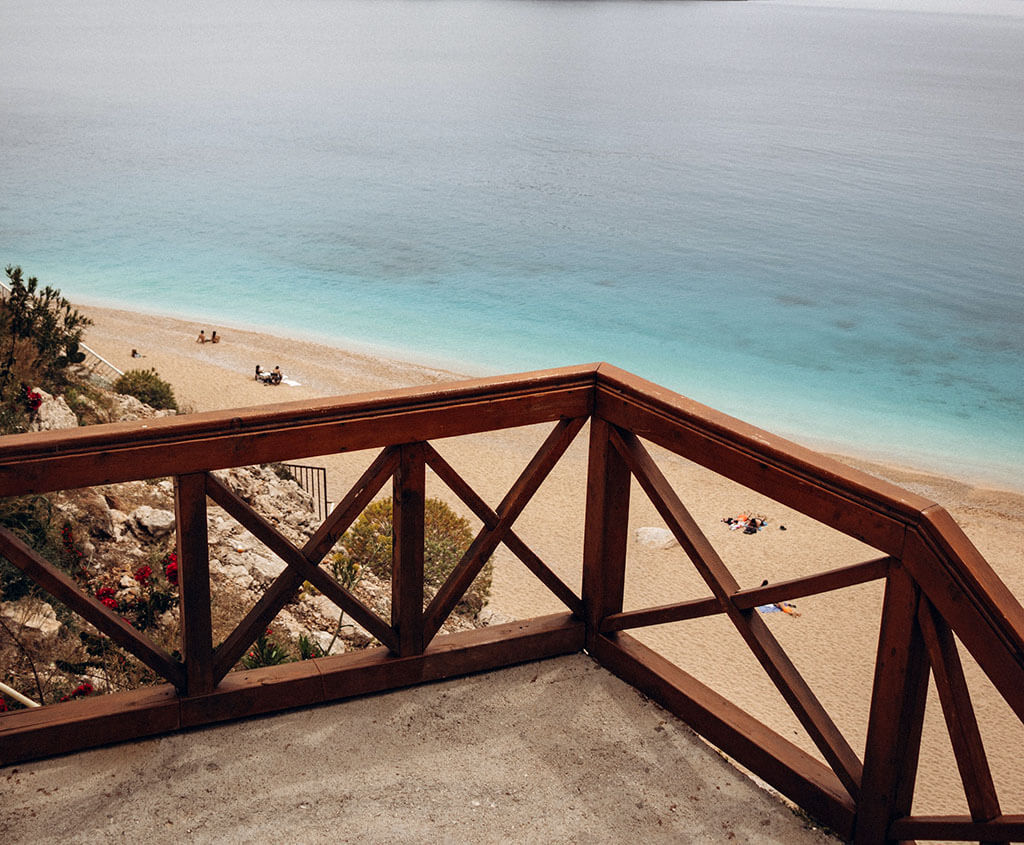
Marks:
<point>447,536</point>
<point>148,387</point>
<point>39,338</point>
<point>31,519</point>
<point>266,651</point>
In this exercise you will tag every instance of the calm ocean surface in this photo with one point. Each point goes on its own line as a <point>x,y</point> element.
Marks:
<point>806,215</point>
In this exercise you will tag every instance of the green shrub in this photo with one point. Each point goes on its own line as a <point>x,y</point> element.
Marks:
<point>447,536</point>
<point>148,387</point>
<point>39,339</point>
<point>266,651</point>
<point>31,519</point>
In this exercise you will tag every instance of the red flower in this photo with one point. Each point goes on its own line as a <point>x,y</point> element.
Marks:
<point>144,574</point>
<point>82,689</point>
<point>33,399</point>
<point>171,570</point>
<point>106,595</point>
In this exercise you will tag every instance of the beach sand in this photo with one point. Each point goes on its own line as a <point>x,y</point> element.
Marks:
<point>832,642</point>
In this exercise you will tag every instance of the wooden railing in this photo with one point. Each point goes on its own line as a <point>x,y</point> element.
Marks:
<point>937,585</point>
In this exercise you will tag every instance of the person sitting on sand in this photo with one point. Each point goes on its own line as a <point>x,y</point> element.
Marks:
<point>259,372</point>
<point>135,353</point>
<point>214,338</point>
<point>202,336</point>
<point>276,376</point>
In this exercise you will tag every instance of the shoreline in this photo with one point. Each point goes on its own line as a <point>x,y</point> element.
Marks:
<point>370,364</point>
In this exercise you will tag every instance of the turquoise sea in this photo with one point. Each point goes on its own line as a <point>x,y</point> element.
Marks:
<point>809,215</point>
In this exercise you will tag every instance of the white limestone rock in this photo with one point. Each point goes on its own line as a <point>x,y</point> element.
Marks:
<point>34,621</point>
<point>236,573</point>
<point>52,414</point>
<point>323,639</point>
<point>151,522</point>
<point>488,616</point>
<point>127,408</point>
<point>264,569</point>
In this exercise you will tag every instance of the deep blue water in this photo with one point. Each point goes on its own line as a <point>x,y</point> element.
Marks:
<point>808,216</point>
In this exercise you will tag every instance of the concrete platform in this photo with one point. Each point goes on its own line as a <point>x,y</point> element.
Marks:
<point>558,751</point>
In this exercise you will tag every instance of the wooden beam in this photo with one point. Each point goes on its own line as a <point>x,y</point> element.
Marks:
<point>974,602</point>
<point>374,670</point>
<point>812,585</point>
<point>61,586</point>
<point>961,723</point>
<point>748,599</point>
<point>103,454</point>
<point>1006,828</point>
<point>490,519</point>
<point>352,504</point>
<point>661,615</point>
<point>606,529</point>
<point>408,497</point>
<point>896,716</point>
<point>90,722</point>
<point>792,771</point>
<point>194,582</point>
<point>762,643</point>
<point>850,501</point>
<point>487,540</point>
<point>448,656</point>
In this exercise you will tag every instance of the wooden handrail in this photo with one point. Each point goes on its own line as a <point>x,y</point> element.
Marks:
<point>937,584</point>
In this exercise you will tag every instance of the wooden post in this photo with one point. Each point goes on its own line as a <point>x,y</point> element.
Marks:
<point>962,724</point>
<point>194,582</point>
<point>606,529</point>
<point>897,713</point>
<point>407,551</point>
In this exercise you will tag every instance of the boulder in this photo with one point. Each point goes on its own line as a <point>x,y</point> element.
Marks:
<point>323,639</point>
<point>232,572</point>
<point>488,616</point>
<point>151,522</point>
<point>261,568</point>
<point>128,408</point>
<point>33,621</point>
<point>52,414</point>
<point>119,522</point>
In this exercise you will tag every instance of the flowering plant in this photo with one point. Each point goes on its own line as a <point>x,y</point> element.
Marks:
<point>81,690</point>
<point>72,558</point>
<point>107,595</point>
<point>265,652</point>
<point>33,399</point>
<point>170,563</point>
<point>154,596</point>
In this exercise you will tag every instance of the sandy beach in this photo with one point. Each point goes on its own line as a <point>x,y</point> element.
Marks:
<point>833,639</point>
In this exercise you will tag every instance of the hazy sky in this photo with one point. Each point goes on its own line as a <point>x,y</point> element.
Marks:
<point>1014,8</point>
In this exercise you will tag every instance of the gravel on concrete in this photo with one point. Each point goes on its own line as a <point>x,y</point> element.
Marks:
<point>556,751</point>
